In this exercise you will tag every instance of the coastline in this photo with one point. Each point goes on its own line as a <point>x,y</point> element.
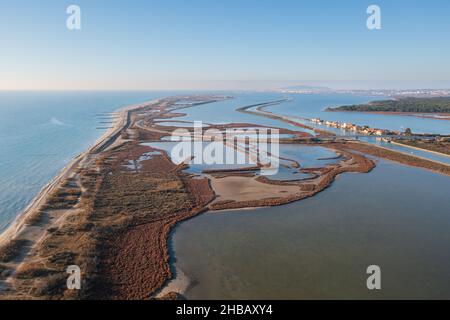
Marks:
<point>17,225</point>
<point>425,115</point>
<point>135,261</point>
<point>128,214</point>
<point>85,233</point>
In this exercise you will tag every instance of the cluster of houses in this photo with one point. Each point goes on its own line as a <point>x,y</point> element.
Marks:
<point>366,130</point>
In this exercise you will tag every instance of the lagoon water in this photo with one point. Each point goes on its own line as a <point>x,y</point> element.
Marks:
<point>395,217</point>
<point>225,111</point>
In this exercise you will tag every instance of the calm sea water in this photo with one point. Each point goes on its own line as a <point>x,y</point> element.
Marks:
<point>41,132</point>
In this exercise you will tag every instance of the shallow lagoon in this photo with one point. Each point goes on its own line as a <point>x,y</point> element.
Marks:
<point>313,106</point>
<point>308,156</point>
<point>197,168</point>
<point>224,112</point>
<point>396,217</point>
<point>305,156</point>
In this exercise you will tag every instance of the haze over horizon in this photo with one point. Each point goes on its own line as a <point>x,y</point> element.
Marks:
<point>207,45</point>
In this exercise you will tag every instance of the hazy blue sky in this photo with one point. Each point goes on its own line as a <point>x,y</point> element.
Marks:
<point>223,44</point>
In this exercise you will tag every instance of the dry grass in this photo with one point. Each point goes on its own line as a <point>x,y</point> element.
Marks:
<point>399,157</point>
<point>30,271</point>
<point>358,163</point>
<point>11,250</point>
<point>35,218</point>
<point>436,146</point>
<point>169,186</point>
<point>3,268</point>
<point>63,198</point>
<point>116,200</point>
<point>50,286</point>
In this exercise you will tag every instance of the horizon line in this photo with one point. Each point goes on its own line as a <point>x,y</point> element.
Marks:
<point>218,89</point>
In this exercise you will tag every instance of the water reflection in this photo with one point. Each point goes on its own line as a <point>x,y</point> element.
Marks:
<point>396,217</point>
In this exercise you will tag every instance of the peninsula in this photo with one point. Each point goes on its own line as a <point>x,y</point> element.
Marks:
<point>111,210</point>
<point>434,105</point>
